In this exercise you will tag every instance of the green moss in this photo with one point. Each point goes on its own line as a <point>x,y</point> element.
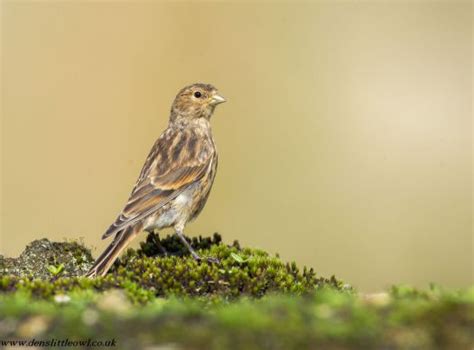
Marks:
<point>159,296</point>
<point>324,319</point>
<point>162,268</point>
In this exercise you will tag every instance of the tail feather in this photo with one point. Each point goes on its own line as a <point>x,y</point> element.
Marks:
<point>111,253</point>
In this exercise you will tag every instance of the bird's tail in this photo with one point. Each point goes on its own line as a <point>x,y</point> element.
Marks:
<point>111,253</point>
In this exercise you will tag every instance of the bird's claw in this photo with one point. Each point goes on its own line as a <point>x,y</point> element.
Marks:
<point>213,260</point>
<point>209,259</point>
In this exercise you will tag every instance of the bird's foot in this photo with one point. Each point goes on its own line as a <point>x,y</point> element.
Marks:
<point>213,260</point>
<point>209,259</point>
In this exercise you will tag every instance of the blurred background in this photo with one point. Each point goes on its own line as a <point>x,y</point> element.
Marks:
<point>345,144</point>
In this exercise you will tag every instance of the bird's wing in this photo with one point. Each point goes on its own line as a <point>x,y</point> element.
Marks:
<point>178,159</point>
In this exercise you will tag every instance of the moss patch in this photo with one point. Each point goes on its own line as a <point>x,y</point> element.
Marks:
<point>326,319</point>
<point>159,297</point>
<point>160,268</point>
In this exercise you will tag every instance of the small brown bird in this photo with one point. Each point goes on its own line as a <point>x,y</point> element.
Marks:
<point>176,178</point>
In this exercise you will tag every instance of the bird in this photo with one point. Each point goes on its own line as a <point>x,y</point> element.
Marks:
<point>176,179</point>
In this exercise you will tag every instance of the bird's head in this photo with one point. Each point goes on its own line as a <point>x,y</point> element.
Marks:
<point>195,101</point>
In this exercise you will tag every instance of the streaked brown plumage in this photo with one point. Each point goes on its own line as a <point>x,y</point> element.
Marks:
<point>176,178</point>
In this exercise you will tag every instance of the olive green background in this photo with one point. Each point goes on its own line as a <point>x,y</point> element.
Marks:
<point>345,144</point>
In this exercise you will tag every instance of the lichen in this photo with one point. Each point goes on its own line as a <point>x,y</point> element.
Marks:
<point>39,255</point>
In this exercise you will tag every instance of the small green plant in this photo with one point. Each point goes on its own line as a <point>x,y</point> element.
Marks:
<point>238,258</point>
<point>56,270</point>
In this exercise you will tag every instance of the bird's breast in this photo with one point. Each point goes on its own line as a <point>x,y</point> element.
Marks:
<point>178,210</point>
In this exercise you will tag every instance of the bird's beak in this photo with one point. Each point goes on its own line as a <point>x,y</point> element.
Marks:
<point>216,99</point>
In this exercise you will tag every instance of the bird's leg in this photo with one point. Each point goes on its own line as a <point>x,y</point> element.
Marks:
<point>188,246</point>
<point>156,241</point>
<point>191,250</point>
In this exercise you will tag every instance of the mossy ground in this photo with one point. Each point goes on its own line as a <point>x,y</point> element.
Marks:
<point>250,300</point>
<point>160,268</point>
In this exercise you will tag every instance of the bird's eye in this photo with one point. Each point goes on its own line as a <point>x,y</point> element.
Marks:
<point>197,94</point>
